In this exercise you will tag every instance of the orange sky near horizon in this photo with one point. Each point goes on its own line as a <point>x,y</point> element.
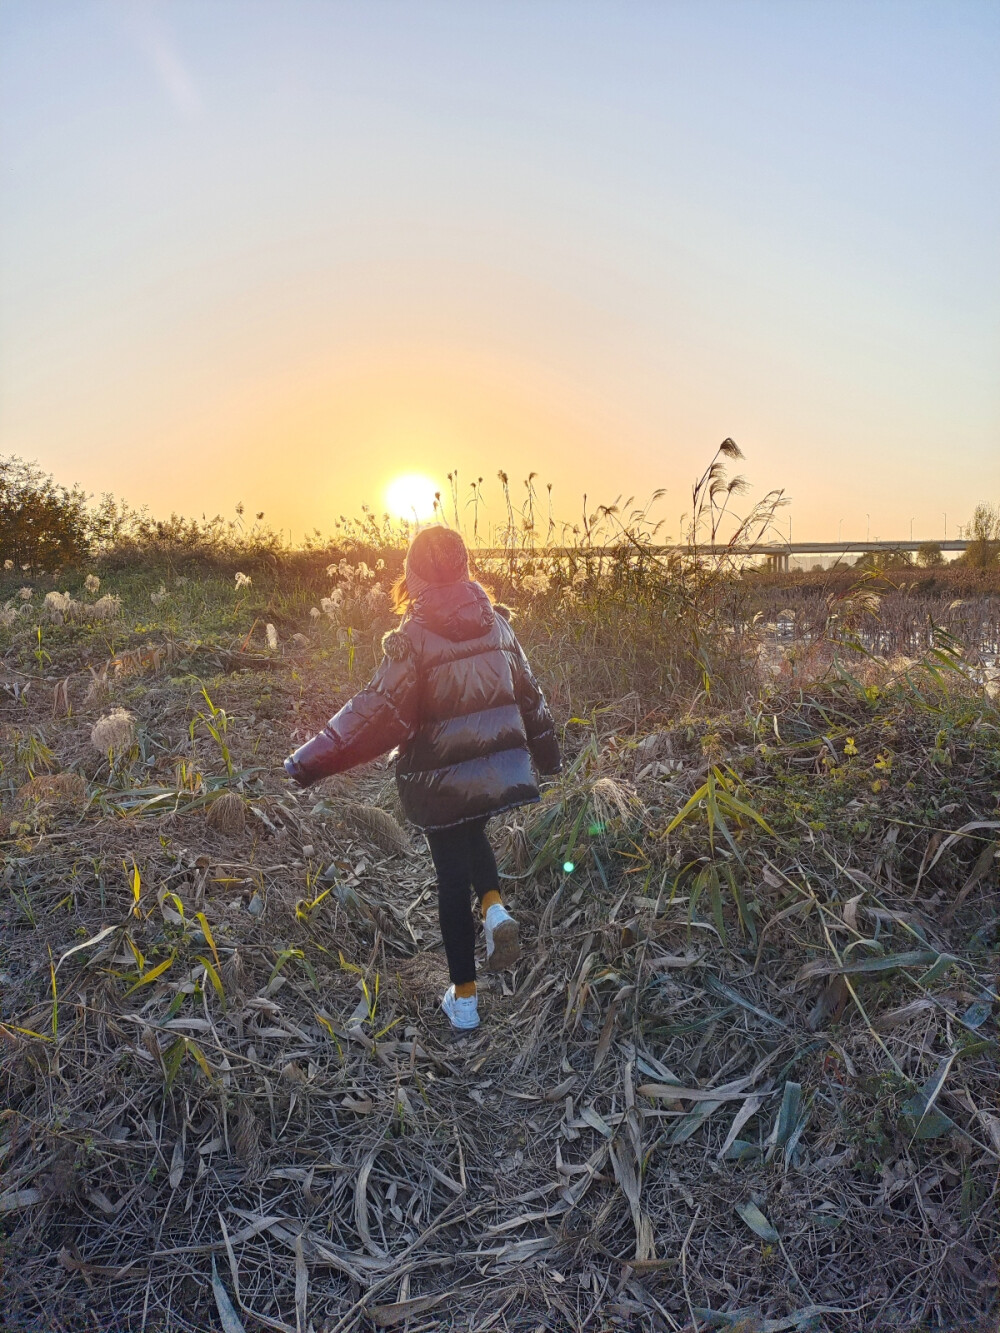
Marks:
<point>283,254</point>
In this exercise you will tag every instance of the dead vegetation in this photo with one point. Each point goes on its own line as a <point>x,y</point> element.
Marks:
<point>744,1077</point>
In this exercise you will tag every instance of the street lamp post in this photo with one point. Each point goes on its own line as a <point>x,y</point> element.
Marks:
<point>868,529</point>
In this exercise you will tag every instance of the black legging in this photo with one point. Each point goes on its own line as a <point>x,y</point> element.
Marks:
<point>462,858</point>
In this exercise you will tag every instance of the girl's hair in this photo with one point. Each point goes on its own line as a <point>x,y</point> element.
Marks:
<point>437,556</point>
<point>402,601</point>
<point>400,594</point>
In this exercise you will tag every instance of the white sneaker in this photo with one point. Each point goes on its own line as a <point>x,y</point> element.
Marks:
<point>503,944</point>
<point>463,1014</point>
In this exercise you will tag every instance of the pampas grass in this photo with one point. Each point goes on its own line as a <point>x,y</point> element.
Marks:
<point>379,826</point>
<point>107,607</point>
<point>99,691</point>
<point>114,732</point>
<point>611,800</point>
<point>228,813</point>
<point>60,607</point>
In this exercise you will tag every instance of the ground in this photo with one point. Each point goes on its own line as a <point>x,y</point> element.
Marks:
<point>745,1075</point>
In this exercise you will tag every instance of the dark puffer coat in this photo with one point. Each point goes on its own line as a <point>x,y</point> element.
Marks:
<point>456,695</point>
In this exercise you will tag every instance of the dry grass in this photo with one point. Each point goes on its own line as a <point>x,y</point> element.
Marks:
<point>905,609</point>
<point>376,826</point>
<point>747,1068</point>
<point>53,789</point>
<point>228,813</point>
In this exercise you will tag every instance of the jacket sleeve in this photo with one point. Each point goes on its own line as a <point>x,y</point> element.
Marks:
<point>378,718</point>
<point>538,722</point>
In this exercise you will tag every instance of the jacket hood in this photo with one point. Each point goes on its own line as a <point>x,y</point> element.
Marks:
<point>456,611</point>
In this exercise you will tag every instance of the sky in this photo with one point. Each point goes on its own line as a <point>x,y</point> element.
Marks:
<point>282,253</point>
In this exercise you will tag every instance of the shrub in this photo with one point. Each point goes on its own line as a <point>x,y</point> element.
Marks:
<point>877,561</point>
<point>43,525</point>
<point>124,537</point>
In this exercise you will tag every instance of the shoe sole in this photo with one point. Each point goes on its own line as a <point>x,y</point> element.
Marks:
<point>458,1027</point>
<point>506,947</point>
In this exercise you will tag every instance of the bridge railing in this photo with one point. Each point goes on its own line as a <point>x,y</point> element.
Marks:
<point>715,549</point>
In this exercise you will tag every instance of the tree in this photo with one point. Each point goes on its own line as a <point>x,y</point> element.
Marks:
<point>929,555</point>
<point>42,525</point>
<point>983,551</point>
<point>877,561</point>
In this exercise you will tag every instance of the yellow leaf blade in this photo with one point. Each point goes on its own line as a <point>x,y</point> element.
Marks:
<point>153,973</point>
<point>207,932</point>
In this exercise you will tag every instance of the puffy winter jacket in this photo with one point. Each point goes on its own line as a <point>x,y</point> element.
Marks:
<point>455,694</point>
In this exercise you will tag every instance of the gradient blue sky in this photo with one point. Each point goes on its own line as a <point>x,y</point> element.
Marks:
<point>281,252</point>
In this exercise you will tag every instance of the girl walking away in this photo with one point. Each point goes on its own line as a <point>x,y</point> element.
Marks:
<point>455,694</point>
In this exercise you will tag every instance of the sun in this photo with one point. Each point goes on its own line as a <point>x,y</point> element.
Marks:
<point>411,496</point>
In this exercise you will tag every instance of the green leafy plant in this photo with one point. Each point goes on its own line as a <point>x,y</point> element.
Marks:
<point>216,723</point>
<point>716,801</point>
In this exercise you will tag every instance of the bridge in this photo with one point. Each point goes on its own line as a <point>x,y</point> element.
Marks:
<point>777,554</point>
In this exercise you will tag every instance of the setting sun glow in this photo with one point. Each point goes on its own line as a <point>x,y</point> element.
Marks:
<point>411,496</point>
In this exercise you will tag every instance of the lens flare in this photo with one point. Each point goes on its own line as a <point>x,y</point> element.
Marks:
<point>411,496</point>
<point>568,867</point>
